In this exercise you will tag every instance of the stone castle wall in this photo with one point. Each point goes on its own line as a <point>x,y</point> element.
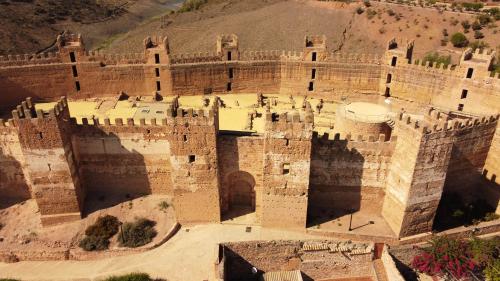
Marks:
<point>350,174</point>
<point>288,169</point>
<point>336,76</point>
<point>320,263</point>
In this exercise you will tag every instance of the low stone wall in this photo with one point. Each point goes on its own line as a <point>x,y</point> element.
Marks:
<point>79,254</point>
<point>391,271</point>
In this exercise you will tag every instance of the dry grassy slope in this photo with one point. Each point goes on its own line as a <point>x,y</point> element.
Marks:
<point>280,24</point>
<point>28,26</point>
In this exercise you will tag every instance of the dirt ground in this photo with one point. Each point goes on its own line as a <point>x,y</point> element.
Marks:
<point>23,231</point>
<point>188,256</point>
<point>282,25</point>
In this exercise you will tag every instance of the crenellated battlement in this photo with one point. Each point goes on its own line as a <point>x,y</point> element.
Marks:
<point>30,59</point>
<point>436,123</point>
<point>340,139</point>
<point>273,55</point>
<point>27,110</point>
<point>195,58</point>
<point>114,59</point>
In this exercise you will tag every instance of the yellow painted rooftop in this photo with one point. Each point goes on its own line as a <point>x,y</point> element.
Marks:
<point>239,112</point>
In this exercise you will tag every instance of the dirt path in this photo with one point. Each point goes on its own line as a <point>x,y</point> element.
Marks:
<point>187,256</point>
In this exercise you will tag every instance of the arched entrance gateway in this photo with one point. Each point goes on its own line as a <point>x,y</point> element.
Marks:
<point>241,191</point>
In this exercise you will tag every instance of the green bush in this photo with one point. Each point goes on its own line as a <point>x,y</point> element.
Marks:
<point>478,34</point>
<point>473,6</point>
<point>360,10</point>
<point>459,40</point>
<point>98,234</point>
<point>106,227</point>
<point>137,233</point>
<point>436,59</point>
<point>130,277</point>
<point>478,45</point>
<point>191,5</point>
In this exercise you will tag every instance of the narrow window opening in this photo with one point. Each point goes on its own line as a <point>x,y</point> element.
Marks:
<point>313,74</point>
<point>75,72</point>
<point>313,56</point>
<point>394,61</point>
<point>185,138</point>
<point>287,142</point>
<point>40,136</point>
<point>464,94</point>
<point>469,72</point>
<point>157,58</point>
<point>461,107</point>
<point>157,72</point>
<point>311,86</point>
<point>387,92</point>
<point>231,74</point>
<point>286,168</point>
<point>389,78</point>
<point>229,87</point>
<point>158,86</point>
<point>77,85</point>
<point>192,158</point>
<point>72,57</point>
<point>50,168</point>
<point>228,55</point>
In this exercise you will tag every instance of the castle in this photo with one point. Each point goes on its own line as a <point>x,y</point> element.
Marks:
<point>442,139</point>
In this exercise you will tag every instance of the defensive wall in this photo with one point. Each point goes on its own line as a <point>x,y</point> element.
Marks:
<point>77,73</point>
<point>287,172</point>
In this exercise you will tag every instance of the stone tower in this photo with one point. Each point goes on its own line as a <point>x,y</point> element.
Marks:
<point>195,174</point>
<point>416,177</point>
<point>287,164</point>
<point>45,139</point>
<point>228,47</point>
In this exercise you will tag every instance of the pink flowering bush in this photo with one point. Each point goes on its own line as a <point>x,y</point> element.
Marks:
<point>446,256</point>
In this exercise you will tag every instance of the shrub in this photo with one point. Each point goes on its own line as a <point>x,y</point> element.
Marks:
<point>106,227</point>
<point>478,34</point>
<point>360,10</point>
<point>436,59</point>
<point>476,25</point>
<point>484,19</point>
<point>367,3</point>
<point>163,205</point>
<point>191,5</point>
<point>390,12</point>
<point>445,255</point>
<point>93,243</point>
<point>473,6</point>
<point>465,24</point>
<point>459,40</point>
<point>478,45</point>
<point>130,277</point>
<point>137,233</point>
<point>370,13</point>
<point>98,234</point>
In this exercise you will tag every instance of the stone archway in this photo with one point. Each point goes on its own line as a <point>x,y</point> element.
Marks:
<point>241,191</point>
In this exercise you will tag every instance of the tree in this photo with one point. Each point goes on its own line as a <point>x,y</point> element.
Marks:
<point>459,40</point>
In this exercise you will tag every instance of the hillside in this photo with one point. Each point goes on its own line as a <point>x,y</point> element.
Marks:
<point>282,25</point>
<point>31,25</point>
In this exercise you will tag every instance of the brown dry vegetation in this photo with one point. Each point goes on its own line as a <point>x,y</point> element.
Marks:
<point>22,229</point>
<point>29,26</point>
<point>282,25</point>
<point>260,25</point>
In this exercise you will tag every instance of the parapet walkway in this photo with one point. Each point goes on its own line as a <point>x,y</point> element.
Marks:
<point>189,255</point>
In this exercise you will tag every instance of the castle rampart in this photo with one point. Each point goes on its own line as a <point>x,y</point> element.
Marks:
<point>281,173</point>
